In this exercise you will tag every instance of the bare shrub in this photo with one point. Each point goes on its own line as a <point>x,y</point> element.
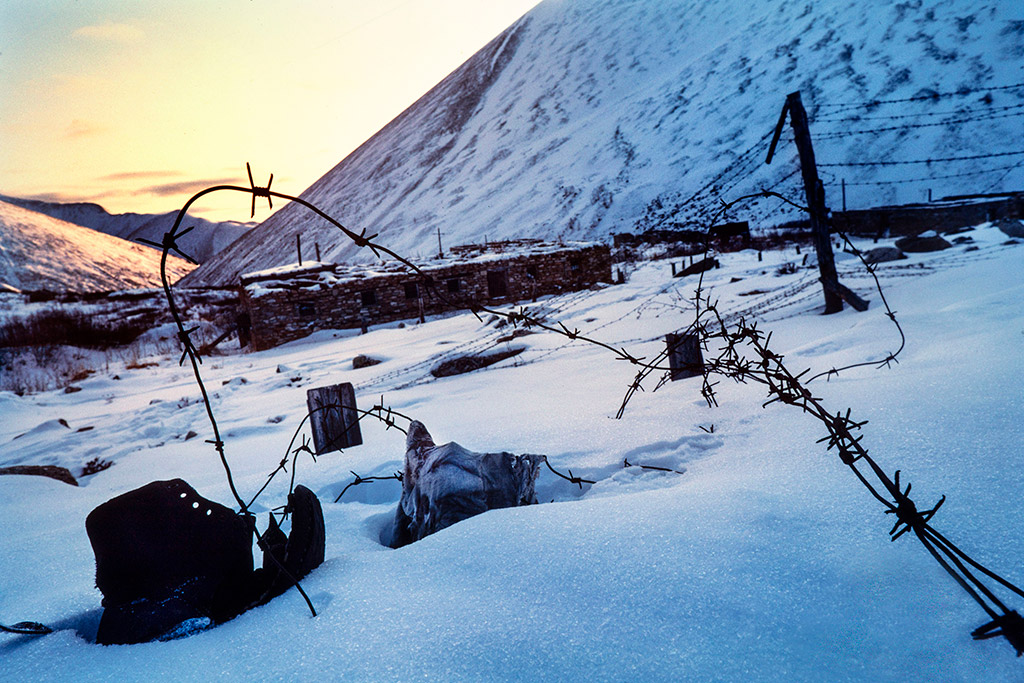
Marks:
<point>56,326</point>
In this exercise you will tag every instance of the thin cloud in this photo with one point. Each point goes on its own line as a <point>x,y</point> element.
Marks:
<point>64,198</point>
<point>139,175</point>
<point>188,186</point>
<point>51,197</point>
<point>80,128</point>
<point>111,32</point>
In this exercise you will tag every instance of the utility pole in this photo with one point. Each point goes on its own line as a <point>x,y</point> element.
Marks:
<point>814,191</point>
<point>440,251</point>
<point>298,247</point>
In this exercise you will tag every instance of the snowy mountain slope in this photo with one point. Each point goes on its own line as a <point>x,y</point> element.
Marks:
<point>587,118</point>
<point>765,560</point>
<point>40,252</point>
<point>202,243</point>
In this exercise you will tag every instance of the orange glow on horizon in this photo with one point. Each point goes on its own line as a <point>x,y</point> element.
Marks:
<point>137,106</point>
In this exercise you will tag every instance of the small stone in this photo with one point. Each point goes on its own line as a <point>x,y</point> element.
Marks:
<point>1012,228</point>
<point>363,361</point>
<point>922,244</point>
<point>883,255</point>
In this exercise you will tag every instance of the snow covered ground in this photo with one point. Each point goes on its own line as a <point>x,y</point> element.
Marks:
<point>764,560</point>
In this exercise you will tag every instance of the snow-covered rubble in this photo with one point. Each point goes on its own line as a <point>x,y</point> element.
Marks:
<point>763,560</point>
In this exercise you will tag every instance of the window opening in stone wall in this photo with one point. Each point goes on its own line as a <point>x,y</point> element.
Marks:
<point>454,285</point>
<point>574,266</point>
<point>497,284</point>
<point>368,297</point>
<point>307,310</point>
<point>411,290</point>
<point>531,272</point>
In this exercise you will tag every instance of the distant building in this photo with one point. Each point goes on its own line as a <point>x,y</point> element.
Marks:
<point>947,214</point>
<point>289,302</point>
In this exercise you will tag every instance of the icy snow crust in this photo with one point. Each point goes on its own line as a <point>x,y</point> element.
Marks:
<point>587,118</point>
<point>764,560</point>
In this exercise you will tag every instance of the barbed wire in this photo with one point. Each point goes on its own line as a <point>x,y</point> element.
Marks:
<point>913,126</point>
<point>922,161</point>
<point>924,114</point>
<point>765,368</point>
<point>931,96</point>
<point>367,480</point>
<point>1000,179</point>
<point>836,181</point>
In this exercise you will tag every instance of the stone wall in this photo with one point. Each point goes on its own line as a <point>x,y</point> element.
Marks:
<point>287,308</point>
<point>917,218</point>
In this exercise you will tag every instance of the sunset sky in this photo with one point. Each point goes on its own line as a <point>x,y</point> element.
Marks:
<point>136,105</point>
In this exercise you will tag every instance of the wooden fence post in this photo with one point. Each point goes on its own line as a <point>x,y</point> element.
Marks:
<point>684,356</point>
<point>814,190</point>
<point>333,417</point>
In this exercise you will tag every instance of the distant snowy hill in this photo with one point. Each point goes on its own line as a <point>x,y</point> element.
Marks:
<point>201,244</point>
<point>587,118</point>
<point>39,252</point>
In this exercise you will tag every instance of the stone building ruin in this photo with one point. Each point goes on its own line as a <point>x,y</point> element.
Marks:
<point>290,302</point>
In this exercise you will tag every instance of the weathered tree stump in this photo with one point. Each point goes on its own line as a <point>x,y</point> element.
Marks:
<point>684,356</point>
<point>333,417</point>
<point>445,484</point>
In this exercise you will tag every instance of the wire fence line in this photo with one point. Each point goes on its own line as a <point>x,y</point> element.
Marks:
<point>912,162</point>
<point>735,350</point>
<point>926,97</point>
<point>914,126</point>
<point>963,111</point>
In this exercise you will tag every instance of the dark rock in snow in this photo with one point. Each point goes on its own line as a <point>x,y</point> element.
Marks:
<point>362,361</point>
<point>51,471</point>
<point>883,254</point>
<point>468,363</point>
<point>1013,228</point>
<point>446,484</point>
<point>925,242</point>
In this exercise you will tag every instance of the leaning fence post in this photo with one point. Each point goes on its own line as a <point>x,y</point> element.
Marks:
<point>684,356</point>
<point>333,417</point>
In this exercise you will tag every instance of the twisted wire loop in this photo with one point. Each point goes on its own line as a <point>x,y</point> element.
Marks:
<point>726,345</point>
<point>366,480</point>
